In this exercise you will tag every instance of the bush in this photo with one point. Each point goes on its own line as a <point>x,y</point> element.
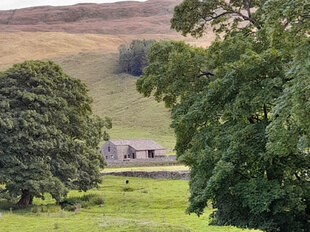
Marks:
<point>86,201</point>
<point>70,208</point>
<point>97,200</point>
<point>133,59</point>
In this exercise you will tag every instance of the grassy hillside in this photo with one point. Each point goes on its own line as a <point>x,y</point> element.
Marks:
<point>145,205</point>
<point>115,96</point>
<point>93,59</point>
<point>126,17</point>
<point>20,46</point>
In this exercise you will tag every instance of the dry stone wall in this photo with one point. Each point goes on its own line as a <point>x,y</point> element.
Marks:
<point>175,175</point>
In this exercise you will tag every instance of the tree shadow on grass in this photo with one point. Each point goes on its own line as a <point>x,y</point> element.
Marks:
<point>7,206</point>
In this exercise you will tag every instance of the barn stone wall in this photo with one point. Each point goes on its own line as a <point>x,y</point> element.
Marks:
<point>176,175</point>
<point>122,151</point>
<point>132,153</point>
<point>109,153</point>
<point>141,154</point>
<point>160,153</point>
<point>125,152</point>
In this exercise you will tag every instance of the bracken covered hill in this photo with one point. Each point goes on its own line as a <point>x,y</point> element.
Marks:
<point>148,17</point>
<point>84,40</point>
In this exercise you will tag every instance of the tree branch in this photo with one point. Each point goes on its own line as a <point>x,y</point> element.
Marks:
<point>246,18</point>
<point>236,13</point>
<point>216,16</point>
<point>246,4</point>
<point>296,175</point>
<point>205,73</point>
<point>265,113</point>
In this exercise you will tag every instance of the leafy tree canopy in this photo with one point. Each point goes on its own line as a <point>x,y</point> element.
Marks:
<point>240,109</point>
<point>48,134</point>
<point>133,59</point>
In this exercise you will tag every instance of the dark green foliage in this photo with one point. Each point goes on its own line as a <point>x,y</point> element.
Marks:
<point>86,201</point>
<point>244,131</point>
<point>48,134</point>
<point>133,59</point>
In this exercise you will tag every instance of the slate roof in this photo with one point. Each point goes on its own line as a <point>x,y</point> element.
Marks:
<point>138,144</point>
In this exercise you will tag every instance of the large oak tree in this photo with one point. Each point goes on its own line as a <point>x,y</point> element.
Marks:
<point>240,109</point>
<point>48,133</point>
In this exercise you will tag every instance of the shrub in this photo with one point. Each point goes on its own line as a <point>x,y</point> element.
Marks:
<point>70,208</point>
<point>97,200</point>
<point>86,201</point>
<point>133,59</point>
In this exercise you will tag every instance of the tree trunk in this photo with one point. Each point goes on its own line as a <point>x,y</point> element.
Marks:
<point>26,198</point>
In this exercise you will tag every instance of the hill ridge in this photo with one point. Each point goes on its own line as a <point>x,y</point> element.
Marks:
<point>128,17</point>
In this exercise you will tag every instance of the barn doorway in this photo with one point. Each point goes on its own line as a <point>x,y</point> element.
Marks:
<point>151,153</point>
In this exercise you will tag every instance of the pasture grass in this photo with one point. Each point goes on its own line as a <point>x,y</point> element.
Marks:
<point>142,205</point>
<point>115,96</point>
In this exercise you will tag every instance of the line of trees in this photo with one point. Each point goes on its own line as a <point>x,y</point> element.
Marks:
<point>133,58</point>
<point>240,109</point>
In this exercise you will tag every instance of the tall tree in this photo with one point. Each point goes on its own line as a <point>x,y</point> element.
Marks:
<point>239,109</point>
<point>48,134</point>
<point>133,59</point>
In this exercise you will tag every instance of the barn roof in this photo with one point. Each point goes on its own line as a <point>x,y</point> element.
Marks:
<point>138,144</point>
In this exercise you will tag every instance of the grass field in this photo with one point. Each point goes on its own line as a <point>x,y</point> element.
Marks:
<point>146,205</point>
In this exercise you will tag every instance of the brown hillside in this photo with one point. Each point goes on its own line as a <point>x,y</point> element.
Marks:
<point>19,46</point>
<point>47,32</point>
<point>151,17</point>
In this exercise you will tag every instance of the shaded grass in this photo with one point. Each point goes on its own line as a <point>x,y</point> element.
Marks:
<point>150,205</point>
<point>77,202</point>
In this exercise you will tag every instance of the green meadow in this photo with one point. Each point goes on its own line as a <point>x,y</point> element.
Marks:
<point>142,205</point>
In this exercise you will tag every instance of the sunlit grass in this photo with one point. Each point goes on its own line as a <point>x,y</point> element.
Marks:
<point>150,205</point>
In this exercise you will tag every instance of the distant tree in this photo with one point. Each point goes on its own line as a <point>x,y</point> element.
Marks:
<point>48,133</point>
<point>133,59</point>
<point>240,109</point>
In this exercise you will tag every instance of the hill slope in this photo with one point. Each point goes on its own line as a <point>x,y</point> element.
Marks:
<point>42,33</point>
<point>19,46</point>
<point>115,96</point>
<point>152,17</point>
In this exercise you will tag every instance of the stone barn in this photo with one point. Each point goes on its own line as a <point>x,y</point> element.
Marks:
<point>126,149</point>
